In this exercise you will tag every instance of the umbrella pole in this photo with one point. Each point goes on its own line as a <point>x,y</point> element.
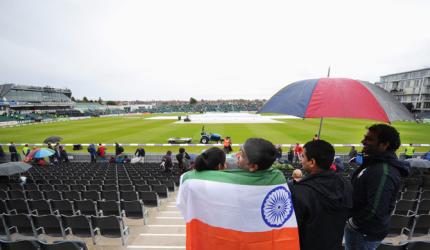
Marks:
<point>319,130</point>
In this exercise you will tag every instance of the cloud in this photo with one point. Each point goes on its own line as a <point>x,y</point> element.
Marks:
<point>225,49</point>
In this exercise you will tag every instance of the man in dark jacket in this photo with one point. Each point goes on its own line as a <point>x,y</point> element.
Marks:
<point>321,199</point>
<point>118,149</point>
<point>13,152</point>
<point>376,183</point>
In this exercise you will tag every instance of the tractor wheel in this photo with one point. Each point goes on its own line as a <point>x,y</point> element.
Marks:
<point>204,140</point>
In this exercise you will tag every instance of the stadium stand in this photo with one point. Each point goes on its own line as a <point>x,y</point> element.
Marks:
<point>81,199</point>
<point>24,99</point>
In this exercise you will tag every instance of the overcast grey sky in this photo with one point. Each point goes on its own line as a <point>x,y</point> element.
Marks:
<point>162,49</point>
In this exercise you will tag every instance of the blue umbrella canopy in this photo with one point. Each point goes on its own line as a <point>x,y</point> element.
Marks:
<point>43,152</point>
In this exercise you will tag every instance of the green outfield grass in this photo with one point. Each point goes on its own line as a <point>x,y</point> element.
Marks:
<point>136,129</point>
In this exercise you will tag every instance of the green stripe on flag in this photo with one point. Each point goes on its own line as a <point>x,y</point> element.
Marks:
<point>238,176</point>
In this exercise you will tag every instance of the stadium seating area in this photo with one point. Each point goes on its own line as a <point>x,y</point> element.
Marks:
<point>88,200</point>
<point>206,107</point>
<point>82,199</point>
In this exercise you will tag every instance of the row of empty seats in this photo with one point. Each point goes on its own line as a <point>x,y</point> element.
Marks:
<point>412,207</point>
<point>61,226</point>
<point>41,245</point>
<point>130,209</point>
<point>411,226</point>
<point>108,192</point>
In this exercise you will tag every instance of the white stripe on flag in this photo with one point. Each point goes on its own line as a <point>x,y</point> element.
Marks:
<point>225,205</point>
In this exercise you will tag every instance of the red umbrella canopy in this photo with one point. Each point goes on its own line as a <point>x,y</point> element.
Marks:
<point>337,97</point>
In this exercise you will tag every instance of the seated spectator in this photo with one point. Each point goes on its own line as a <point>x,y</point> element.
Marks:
<point>126,159</point>
<point>297,175</point>
<point>119,158</point>
<point>112,159</point>
<point>40,161</point>
<point>211,159</point>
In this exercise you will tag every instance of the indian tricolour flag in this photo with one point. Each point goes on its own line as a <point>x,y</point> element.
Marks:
<point>239,210</point>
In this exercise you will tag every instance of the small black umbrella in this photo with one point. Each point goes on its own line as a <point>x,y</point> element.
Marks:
<point>53,139</point>
<point>11,168</point>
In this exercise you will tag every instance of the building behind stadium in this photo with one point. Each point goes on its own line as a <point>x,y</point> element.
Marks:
<point>412,88</point>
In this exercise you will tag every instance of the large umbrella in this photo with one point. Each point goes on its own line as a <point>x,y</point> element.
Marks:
<point>337,98</point>
<point>11,168</point>
<point>53,139</point>
<point>418,163</point>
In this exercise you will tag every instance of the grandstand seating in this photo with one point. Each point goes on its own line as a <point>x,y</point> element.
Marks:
<point>40,245</point>
<point>82,199</point>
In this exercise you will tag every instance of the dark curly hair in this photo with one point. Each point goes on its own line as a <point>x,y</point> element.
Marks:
<point>386,134</point>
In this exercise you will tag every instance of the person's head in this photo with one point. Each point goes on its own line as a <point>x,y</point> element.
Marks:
<point>380,138</point>
<point>100,144</point>
<point>27,145</point>
<point>317,155</point>
<point>211,159</point>
<point>410,144</point>
<point>181,150</point>
<point>169,152</point>
<point>256,154</point>
<point>297,174</point>
<point>353,148</point>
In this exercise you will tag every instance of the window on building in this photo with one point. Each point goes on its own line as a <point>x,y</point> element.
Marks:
<point>427,105</point>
